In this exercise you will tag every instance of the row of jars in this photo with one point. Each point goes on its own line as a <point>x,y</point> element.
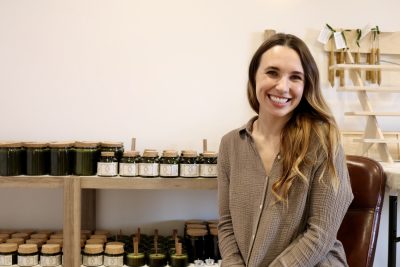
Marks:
<point>105,158</point>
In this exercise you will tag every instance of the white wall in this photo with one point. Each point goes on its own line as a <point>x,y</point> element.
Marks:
<point>169,73</point>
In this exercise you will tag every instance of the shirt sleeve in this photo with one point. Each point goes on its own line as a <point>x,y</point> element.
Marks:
<point>327,209</point>
<point>231,256</point>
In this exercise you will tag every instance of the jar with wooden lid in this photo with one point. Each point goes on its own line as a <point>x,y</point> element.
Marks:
<point>8,254</point>
<point>149,164</point>
<point>12,159</point>
<point>61,158</point>
<point>51,255</point>
<point>169,164</point>
<point>28,255</point>
<point>86,156</point>
<point>108,164</point>
<point>39,236</point>
<point>25,236</point>
<point>92,255</point>
<point>129,164</point>
<point>116,147</point>
<point>208,164</point>
<point>37,241</point>
<point>196,244</point>
<point>114,255</point>
<point>189,165</point>
<point>18,241</point>
<point>4,237</point>
<point>37,158</point>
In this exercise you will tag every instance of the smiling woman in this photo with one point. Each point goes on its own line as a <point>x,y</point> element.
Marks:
<point>282,179</point>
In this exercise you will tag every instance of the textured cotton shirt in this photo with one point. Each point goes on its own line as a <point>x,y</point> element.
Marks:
<point>256,230</point>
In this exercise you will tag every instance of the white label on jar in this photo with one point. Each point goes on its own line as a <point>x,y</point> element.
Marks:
<point>50,260</point>
<point>92,260</point>
<point>28,260</point>
<point>169,169</point>
<point>107,168</point>
<point>148,169</point>
<point>129,169</point>
<point>116,261</point>
<point>5,260</point>
<point>189,170</point>
<point>208,170</point>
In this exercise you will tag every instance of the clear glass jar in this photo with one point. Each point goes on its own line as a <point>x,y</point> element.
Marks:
<point>208,164</point>
<point>169,164</point>
<point>149,164</point>
<point>116,147</point>
<point>86,156</point>
<point>92,255</point>
<point>114,255</point>
<point>12,159</point>
<point>50,255</point>
<point>189,164</point>
<point>8,254</point>
<point>108,164</point>
<point>129,164</point>
<point>61,158</point>
<point>37,158</point>
<point>28,255</point>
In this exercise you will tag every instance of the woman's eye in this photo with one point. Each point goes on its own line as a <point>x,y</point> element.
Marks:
<point>297,78</point>
<point>272,73</point>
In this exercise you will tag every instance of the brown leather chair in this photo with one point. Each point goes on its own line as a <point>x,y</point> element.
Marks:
<point>359,229</point>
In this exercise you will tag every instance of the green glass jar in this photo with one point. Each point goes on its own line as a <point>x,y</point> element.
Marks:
<point>208,164</point>
<point>108,164</point>
<point>116,147</point>
<point>61,158</point>
<point>114,255</point>
<point>28,255</point>
<point>135,260</point>
<point>129,164</point>
<point>169,164</point>
<point>149,164</point>
<point>86,156</point>
<point>12,159</point>
<point>92,255</point>
<point>8,254</point>
<point>37,158</point>
<point>189,164</point>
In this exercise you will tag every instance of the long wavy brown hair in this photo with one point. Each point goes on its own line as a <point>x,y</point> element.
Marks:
<point>312,117</point>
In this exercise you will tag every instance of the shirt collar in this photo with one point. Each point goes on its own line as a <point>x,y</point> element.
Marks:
<point>248,127</point>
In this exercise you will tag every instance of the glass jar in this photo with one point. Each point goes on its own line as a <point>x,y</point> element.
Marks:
<point>215,253</point>
<point>116,147</point>
<point>169,164</point>
<point>61,158</point>
<point>179,260</point>
<point>86,156</point>
<point>37,158</point>
<point>114,255</point>
<point>18,241</point>
<point>135,260</point>
<point>208,165</point>
<point>129,164</point>
<point>196,244</point>
<point>108,164</point>
<point>12,159</point>
<point>8,254</point>
<point>189,165</point>
<point>50,255</point>
<point>157,258</point>
<point>28,255</point>
<point>149,164</point>
<point>92,255</point>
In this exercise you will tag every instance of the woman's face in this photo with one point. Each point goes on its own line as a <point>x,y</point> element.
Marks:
<point>279,82</point>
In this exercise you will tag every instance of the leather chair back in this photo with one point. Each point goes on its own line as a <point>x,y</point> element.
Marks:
<point>359,229</point>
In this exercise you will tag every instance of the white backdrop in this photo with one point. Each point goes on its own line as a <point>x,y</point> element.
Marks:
<point>169,73</point>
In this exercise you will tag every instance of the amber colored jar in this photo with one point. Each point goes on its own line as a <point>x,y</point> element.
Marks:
<point>149,164</point>
<point>37,158</point>
<point>28,255</point>
<point>86,157</point>
<point>8,254</point>
<point>129,164</point>
<point>169,164</point>
<point>12,159</point>
<point>61,158</point>
<point>189,164</point>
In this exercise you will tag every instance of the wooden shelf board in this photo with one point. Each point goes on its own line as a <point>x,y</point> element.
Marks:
<point>96,182</point>
<point>364,67</point>
<point>372,89</point>
<point>371,113</point>
<point>32,181</point>
<point>377,141</point>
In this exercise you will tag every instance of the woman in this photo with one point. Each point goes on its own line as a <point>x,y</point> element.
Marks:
<point>283,185</point>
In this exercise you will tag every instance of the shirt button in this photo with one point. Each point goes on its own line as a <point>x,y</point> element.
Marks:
<point>261,206</point>
<point>253,236</point>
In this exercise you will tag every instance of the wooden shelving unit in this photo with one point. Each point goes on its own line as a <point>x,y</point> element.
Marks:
<point>73,185</point>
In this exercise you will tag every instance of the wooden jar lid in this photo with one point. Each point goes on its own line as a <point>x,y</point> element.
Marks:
<point>93,248</point>
<point>47,232</point>
<point>214,231</point>
<point>150,153</point>
<point>102,232</point>
<point>196,232</point>
<point>114,249</point>
<point>115,243</point>
<point>17,241</point>
<point>8,247</point>
<point>10,144</point>
<point>130,154</point>
<point>38,242</point>
<point>35,144</point>
<point>20,235</point>
<point>195,226</point>
<point>55,241</point>
<point>85,144</point>
<point>210,154</point>
<point>10,232</point>
<point>57,236</point>
<point>5,236</point>
<point>95,241</point>
<point>189,153</point>
<point>103,237</point>
<point>170,153</point>
<point>51,248</point>
<point>61,144</point>
<point>27,248</point>
<point>111,144</point>
<point>40,236</point>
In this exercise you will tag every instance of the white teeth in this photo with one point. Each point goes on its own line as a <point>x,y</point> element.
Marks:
<point>279,100</point>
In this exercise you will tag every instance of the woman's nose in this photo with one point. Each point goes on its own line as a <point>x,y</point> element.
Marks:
<point>282,84</point>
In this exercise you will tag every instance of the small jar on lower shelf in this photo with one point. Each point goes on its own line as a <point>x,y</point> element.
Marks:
<point>92,255</point>
<point>50,255</point>
<point>28,255</point>
<point>114,255</point>
<point>8,254</point>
